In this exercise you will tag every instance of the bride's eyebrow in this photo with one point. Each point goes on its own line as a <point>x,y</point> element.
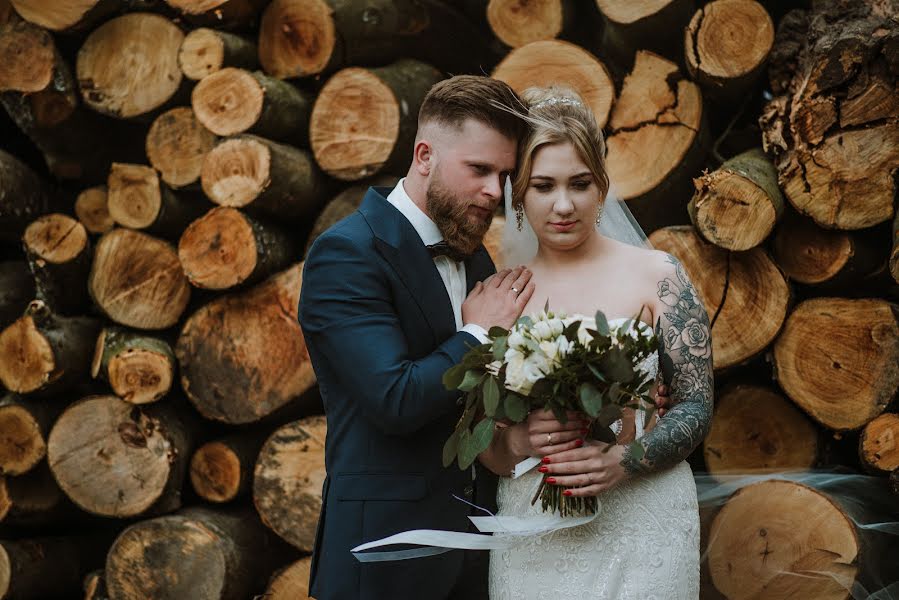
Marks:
<point>584,174</point>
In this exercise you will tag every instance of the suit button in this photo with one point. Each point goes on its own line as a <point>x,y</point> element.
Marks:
<point>469,491</point>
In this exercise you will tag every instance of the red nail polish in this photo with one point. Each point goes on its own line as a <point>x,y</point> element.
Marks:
<point>546,460</point>
<point>550,480</point>
<point>566,493</point>
<point>585,431</point>
<point>578,443</point>
<point>543,469</point>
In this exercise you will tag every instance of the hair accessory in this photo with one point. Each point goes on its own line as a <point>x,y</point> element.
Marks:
<point>552,101</point>
<point>519,215</point>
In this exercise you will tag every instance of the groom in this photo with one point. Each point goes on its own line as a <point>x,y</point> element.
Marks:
<point>390,301</point>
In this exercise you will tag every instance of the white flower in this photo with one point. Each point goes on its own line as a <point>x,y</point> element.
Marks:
<point>565,345</point>
<point>583,336</point>
<point>557,327</point>
<point>550,349</point>
<point>494,367</point>
<point>542,330</point>
<point>515,380</point>
<point>516,340</point>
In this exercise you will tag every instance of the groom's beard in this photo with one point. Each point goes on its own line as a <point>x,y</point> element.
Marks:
<point>449,213</point>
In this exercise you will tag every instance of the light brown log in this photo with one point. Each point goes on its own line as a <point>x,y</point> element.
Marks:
<point>70,16</point>
<point>560,63</point>
<point>520,22</point>
<point>291,582</point>
<point>243,356</point>
<point>757,430</point>
<point>34,501</point>
<point>219,13</point>
<point>737,205</point>
<point>225,248</point>
<point>95,586</point>
<point>839,359</point>
<point>92,209</point>
<point>137,280</point>
<point>16,290</point>
<point>726,45</point>
<point>199,553</point>
<point>232,101</point>
<point>43,351</point>
<point>128,66</point>
<point>288,480</point>
<point>222,470</point>
<point>264,177</point>
<point>894,256</point>
<point>206,51</point>
<point>138,367</point>
<point>58,252</point>
<point>656,141</point>
<point>114,459</point>
<point>176,145</point>
<point>782,539</point>
<point>654,25</point>
<point>745,294</point>
<point>879,443</point>
<point>23,198</point>
<point>363,121</point>
<point>24,426</point>
<point>41,568</point>
<point>29,57</point>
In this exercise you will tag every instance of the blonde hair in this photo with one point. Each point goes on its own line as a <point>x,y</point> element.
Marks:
<point>557,115</point>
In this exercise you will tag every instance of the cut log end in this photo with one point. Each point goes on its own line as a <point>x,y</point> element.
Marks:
<point>28,56</point>
<point>176,146</point>
<point>215,472</point>
<point>140,376</point>
<point>229,101</point>
<point>134,198</point>
<point>809,254</point>
<point>202,53</point>
<point>22,443</point>
<point>731,211</point>
<point>630,12</point>
<point>218,250</point>
<point>879,443</point>
<point>291,583</point>
<point>727,39</point>
<point>297,38</point>
<point>26,356</point>
<point>55,238</point>
<point>5,572</point>
<point>56,17</point>
<point>92,210</point>
<point>236,172</point>
<point>519,22</point>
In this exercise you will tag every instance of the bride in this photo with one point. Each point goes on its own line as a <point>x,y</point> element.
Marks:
<point>645,542</point>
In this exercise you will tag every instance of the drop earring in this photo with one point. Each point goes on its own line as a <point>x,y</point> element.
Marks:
<point>599,214</point>
<point>519,216</point>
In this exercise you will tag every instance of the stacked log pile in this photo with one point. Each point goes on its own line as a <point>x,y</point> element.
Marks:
<point>165,166</point>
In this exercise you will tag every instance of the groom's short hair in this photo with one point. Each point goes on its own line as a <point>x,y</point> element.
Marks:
<point>490,101</point>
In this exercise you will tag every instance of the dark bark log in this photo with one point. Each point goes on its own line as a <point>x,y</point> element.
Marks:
<point>59,256</point>
<point>225,14</point>
<point>206,51</point>
<point>42,568</point>
<point>23,198</point>
<point>16,291</point>
<point>139,368</point>
<point>33,502</point>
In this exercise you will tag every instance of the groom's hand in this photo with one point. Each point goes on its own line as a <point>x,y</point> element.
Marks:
<point>499,300</point>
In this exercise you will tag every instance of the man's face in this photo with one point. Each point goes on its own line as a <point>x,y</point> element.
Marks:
<point>466,182</point>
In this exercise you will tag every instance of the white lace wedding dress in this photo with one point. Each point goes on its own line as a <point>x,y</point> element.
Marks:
<point>644,545</point>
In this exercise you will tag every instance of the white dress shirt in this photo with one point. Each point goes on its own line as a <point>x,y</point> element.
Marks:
<point>451,272</point>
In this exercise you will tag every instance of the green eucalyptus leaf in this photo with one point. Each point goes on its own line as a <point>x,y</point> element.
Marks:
<point>608,414</point>
<point>497,331</point>
<point>516,407</point>
<point>596,372</point>
<point>453,377</point>
<point>451,449</point>
<point>482,436</point>
<point>525,321</point>
<point>616,365</point>
<point>471,380</point>
<point>491,396</point>
<point>591,399</point>
<point>570,332</point>
<point>500,345</point>
<point>602,324</point>
<point>463,453</point>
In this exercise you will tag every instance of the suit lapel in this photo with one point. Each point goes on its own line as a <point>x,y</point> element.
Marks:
<point>478,268</point>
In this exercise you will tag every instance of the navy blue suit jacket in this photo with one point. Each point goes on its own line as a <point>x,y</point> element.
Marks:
<point>381,332</point>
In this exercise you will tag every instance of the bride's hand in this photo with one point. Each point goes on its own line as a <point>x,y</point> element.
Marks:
<point>546,435</point>
<point>589,470</point>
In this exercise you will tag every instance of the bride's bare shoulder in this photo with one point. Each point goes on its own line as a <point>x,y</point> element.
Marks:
<point>647,261</point>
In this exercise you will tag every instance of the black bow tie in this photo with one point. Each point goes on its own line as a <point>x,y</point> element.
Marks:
<point>441,248</point>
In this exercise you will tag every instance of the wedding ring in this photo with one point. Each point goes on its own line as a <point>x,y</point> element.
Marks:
<point>515,289</point>
<point>549,439</point>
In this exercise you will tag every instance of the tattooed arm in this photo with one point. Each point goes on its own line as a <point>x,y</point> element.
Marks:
<point>685,360</point>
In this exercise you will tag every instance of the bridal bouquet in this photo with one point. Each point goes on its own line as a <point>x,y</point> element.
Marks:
<point>555,362</point>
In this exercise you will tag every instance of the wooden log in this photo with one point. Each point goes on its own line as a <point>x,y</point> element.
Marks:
<point>878,445</point>
<point>137,280</point>
<point>838,359</point>
<point>92,209</point>
<point>291,582</point>
<point>894,482</point>
<point>757,430</point>
<point>560,63</point>
<point>726,46</point>
<point>654,25</point>
<point>115,459</point>
<point>68,17</point>
<point>656,143</point>
<point>232,101</point>
<point>24,426</point>
<point>176,146</point>
<point>199,553</point>
<point>222,470</point>
<point>737,205</point>
<point>33,501</point>
<point>225,14</point>
<point>225,248</point>
<point>26,566</point>
<point>139,368</point>
<point>243,356</point>
<point>47,352</point>
<point>745,294</point>
<point>138,200</point>
<point>206,51</point>
<point>826,60</point>
<point>894,256</point>
<point>16,290</point>
<point>363,121</point>
<point>58,252</point>
<point>264,177</point>
<point>520,22</point>
<point>23,198</point>
<point>287,486</point>
<point>128,66</point>
<point>95,586</point>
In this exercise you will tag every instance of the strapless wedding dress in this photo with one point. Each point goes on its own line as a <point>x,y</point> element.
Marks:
<point>644,545</point>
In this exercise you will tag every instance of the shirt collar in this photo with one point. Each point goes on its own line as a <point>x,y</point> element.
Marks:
<point>426,228</point>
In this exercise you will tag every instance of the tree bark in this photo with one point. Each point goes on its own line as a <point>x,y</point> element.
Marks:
<point>138,367</point>
<point>894,256</point>
<point>59,255</point>
<point>26,566</point>
<point>853,346</point>
<point>224,14</point>
<point>556,62</point>
<point>879,444</point>
<point>137,280</point>
<point>114,459</point>
<point>288,481</point>
<point>243,356</point>
<point>737,205</point>
<point>33,501</point>
<point>46,352</point>
<point>128,66</point>
<point>745,294</point>
<point>520,22</point>
<point>291,582</point>
<point>23,198</point>
<point>363,121</point>
<point>206,51</point>
<point>657,142</point>
<point>92,209</point>
<point>225,248</point>
<point>24,426</point>
<point>726,46</point>
<point>199,553</point>
<point>222,470</point>
<point>16,291</point>
<point>176,145</point>
<point>264,177</point>
<point>757,430</point>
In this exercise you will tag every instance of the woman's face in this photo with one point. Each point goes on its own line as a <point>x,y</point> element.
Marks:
<point>562,198</point>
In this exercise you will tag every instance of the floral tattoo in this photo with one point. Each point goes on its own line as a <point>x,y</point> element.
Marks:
<point>685,357</point>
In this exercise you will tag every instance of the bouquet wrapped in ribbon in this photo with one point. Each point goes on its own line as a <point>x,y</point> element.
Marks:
<point>554,362</point>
